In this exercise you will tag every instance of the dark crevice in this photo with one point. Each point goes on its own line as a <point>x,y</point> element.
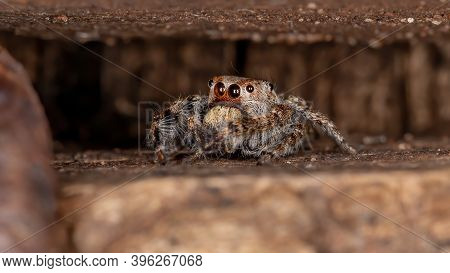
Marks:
<point>241,56</point>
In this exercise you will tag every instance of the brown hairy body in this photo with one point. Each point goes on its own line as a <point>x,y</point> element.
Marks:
<point>239,116</point>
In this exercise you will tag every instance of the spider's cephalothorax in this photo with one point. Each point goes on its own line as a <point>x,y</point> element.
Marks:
<point>240,115</point>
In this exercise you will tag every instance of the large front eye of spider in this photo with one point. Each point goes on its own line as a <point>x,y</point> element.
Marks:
<point>219,89</point>
<point>234,90</point>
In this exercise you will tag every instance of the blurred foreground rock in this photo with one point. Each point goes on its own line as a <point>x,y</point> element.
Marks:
<point>27,195</point>
<point>233,206</point>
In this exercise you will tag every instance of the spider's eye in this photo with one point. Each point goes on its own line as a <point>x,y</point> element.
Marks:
<point>271,86</point>
<point>219,89</point>
<point>234,90</point>
<point>210,83</point>
<point>250,88</point>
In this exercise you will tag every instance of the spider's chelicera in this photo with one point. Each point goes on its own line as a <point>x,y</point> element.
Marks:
<point>240,116</point>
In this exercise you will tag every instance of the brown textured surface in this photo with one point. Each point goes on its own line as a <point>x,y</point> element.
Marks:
<point>289,21</point>
<point>235,206</point>
<point>27,183</point>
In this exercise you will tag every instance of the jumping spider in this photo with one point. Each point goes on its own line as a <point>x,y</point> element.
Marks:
<point>240,116</point>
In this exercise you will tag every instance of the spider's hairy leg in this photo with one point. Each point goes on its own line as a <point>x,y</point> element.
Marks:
<point>158,127</point>
<point>194,125</point>
<point>323,124</point>
<point>301,102</point>
<point>307,141</point>
<point>290,144</point>
<point>326,126</point>
<point>160,157</point>
<point>175,129</point>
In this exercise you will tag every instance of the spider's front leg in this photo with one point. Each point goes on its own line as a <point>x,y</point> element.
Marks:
<point>289,144</point>
<point>175,130</point>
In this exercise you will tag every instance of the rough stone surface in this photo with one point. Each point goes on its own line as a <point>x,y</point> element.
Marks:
<point>318,202</point>
<point>289,21</point>
<point>27,183</point>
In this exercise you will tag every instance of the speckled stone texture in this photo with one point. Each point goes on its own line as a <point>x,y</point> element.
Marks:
<point>349,21</point>
<point>270,213</point>
<point>317,202</point>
